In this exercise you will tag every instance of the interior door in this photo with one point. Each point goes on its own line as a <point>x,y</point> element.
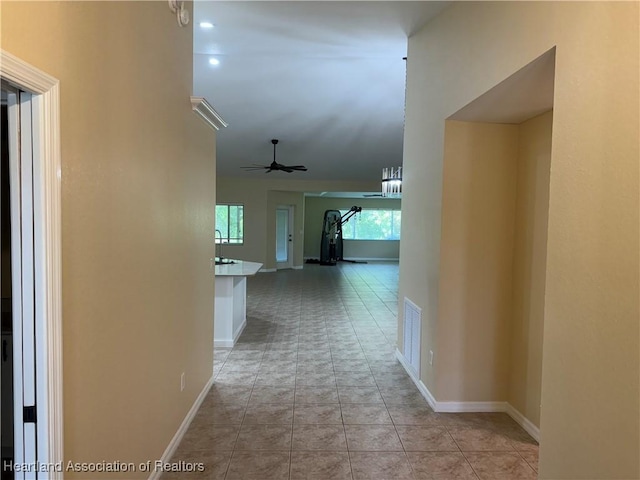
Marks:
<point>6,349</point>
<point>24,204</point>
<point>284,236</point>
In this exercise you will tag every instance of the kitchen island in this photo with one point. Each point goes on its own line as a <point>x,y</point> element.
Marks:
<point>230,310</point>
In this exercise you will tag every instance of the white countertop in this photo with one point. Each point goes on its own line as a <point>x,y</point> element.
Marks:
<point>240,268</point>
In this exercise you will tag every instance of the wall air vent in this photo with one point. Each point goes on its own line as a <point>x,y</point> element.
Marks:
<point>412,323</point>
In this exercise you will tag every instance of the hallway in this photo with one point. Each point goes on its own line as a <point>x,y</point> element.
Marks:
<point>313,390</point>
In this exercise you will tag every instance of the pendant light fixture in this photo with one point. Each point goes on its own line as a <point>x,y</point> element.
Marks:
<point>392,182</point>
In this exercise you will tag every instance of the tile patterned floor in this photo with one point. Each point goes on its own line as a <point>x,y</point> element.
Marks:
<point>312,390</point>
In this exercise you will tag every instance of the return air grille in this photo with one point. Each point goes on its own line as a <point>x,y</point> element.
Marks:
<point>412,322</point>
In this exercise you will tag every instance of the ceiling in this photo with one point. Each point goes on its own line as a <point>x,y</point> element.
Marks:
<point>327,79</point>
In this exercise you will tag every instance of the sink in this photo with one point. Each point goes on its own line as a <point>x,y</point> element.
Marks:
<point>224,261</point>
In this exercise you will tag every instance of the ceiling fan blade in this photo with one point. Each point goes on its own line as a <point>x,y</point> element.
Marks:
<point>275,165</point>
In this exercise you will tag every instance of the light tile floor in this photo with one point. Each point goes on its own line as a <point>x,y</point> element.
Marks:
<point>312,390</point>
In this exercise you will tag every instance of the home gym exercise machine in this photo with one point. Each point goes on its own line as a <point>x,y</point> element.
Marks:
<point>331,243</point>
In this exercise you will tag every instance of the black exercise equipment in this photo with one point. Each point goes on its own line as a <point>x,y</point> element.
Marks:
<point>331,242</point>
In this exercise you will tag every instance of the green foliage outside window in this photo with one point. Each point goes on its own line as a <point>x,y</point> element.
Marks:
<point>372,225</point>
<point>230,222</point>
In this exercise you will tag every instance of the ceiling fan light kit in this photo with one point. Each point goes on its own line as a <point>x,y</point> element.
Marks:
<point>275,165</point>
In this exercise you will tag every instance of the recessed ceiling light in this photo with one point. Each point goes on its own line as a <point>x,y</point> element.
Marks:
<point>214,61</point>
<point>206,25</point>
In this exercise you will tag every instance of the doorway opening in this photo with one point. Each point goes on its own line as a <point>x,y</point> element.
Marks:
<point>284,236</point>
<point>31,134</point>
<point>6,359</point>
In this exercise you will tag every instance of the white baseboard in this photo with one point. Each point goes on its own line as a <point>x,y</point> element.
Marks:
<point>231,343</point>
<point>266,270</point>
<point>239,331</point>
<point>421,386</point>
<point>361,259</point>
<point>373,259</point>
<point>524,422</point>
<point>297,267</point>
<point>177,438</point>
<point>459,407</point>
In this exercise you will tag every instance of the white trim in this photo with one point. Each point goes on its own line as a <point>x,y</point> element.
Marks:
<point>364,259</point>
<point>177,438</point>
<point>523,421</point>
<point>29,78</point>
<point>236,335</point>
<point>298,267</point>
<point>239,331</point>
<point>427,395</point>
<point>374,259</point>
<point>24,75</point>
<point>205,111</point>
<point>421,386</point>
<point>459,407</point>
<point>267,270</point>
<point>412,327</point>
<point>27,330</point>
<point>13,112</point>
<point>413,305</point>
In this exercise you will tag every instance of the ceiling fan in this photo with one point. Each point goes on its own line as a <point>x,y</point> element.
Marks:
<point>275,165</point>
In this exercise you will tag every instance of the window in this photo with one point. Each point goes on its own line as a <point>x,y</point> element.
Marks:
<point>229,224</point>
<point>372,225</point>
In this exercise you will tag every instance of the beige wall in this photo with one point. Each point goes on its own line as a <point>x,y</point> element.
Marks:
<point>478,210</point>
<point>492,268</point>
<point>353,249</point>
<point>260,199</point>
<point>590,413</point>
<point>529,260</point>
<point>254,200</point>
<point>138,185</point>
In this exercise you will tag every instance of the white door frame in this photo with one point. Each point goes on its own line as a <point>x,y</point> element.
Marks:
<point>47,225</point>
<point>290,239</point>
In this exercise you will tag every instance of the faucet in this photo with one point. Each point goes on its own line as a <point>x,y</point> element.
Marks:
<point>220,247</point>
